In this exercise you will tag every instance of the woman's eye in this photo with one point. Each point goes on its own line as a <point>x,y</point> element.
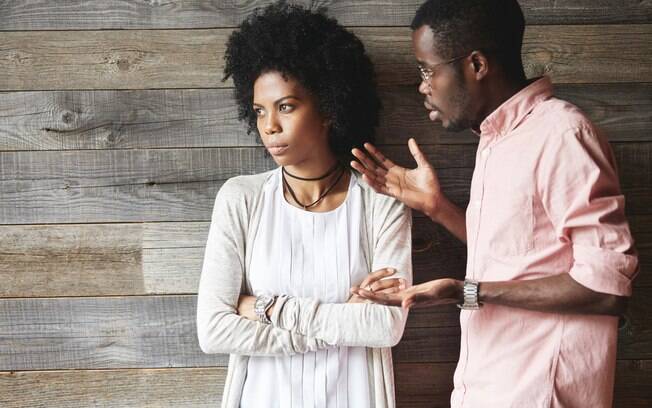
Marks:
<point>284,107</point>
<point>258,112</point>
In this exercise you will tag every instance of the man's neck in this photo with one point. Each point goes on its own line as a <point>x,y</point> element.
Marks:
<point>497,92</point>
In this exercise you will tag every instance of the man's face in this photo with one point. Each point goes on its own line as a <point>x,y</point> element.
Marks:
<point>446,95</point>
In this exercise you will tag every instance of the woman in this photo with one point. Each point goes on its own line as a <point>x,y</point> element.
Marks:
<point>286,246</point>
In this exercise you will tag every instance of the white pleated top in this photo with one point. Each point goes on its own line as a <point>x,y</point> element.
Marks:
<point>309,255</point>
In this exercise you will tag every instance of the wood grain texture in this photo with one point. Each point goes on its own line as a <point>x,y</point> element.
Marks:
<point>150,258</point>
<point>418,385</point>
<point>166,258</point>
<point>124,388</point>
<point>159,332</point>
<point>123,14</point>
<point>70,120</point>
<point>147,59</point>
<point>181,184</point>
<point>110,332</point>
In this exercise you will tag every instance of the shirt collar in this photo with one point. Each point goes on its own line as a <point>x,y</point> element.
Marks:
<point>510,114</point>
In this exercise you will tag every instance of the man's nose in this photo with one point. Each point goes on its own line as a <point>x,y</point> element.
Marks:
<point>424,87</point>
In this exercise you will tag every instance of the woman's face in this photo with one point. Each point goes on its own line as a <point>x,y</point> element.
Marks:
<point>289,122</point>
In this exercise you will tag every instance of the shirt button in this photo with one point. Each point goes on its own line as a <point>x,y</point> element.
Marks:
<point>486,152</point>
<point>477,203</point>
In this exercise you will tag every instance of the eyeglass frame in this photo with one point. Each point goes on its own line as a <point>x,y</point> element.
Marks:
<point>427,73</point>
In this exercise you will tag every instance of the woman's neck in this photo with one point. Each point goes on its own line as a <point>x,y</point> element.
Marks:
<point>307,191</point>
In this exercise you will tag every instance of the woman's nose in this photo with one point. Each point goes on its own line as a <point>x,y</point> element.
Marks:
<point>271,125</point>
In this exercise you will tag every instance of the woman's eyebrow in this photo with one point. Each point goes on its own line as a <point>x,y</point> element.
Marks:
<point>276,102</point>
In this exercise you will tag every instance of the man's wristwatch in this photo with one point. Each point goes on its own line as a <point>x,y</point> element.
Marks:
<point>471,289</point>
<point>262,305</point>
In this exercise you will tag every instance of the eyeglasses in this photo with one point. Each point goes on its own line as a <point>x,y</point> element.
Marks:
<point>427,73</point>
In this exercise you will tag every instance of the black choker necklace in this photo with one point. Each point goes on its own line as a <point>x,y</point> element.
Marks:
<point>321,196</point>
<point>328,173</point>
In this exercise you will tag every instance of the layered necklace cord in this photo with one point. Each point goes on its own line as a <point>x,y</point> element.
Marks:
<point>328,173</point>
<point>322,195</point>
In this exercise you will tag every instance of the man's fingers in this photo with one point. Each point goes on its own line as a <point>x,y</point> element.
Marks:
<point>378,187</point>
<point>417,153</point>
<point>408,302</point>
<point>378,156</point>
<point>364,159</point>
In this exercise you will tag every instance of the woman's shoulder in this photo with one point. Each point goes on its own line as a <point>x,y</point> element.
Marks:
<point>373,197</point>
<point>246,185</point>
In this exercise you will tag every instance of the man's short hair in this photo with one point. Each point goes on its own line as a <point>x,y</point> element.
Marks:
<point>461,26</point>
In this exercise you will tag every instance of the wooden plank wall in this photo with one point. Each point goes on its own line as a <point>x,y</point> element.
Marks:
<point>116,132</point>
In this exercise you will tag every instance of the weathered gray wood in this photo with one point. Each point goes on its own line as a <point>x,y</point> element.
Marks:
<point>147,185</point>
<point>150,258</point>
<point>193,58</point>
<point>155,331</point>
<point>68,120</point>
<point>122,388</point>
<point>633,380</point>
<point>122,14</point>
<point>112,332</point>
<point>180,184</point>
<point>166,258</point>
<point>419,385</point>
<point>101,259</point>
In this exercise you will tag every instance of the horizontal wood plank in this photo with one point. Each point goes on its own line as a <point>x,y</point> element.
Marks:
<point>69,120</point>
<point>147,185</point>
<point>159,332</point>
<point>181,184</point>
<point>166,258</point>
<point>111,332</point>
<point>134,388</point>
<point>147,59</point>
<point>123,14</point>
<point>418,385</point>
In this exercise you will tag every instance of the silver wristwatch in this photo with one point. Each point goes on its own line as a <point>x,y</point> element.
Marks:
<point>262,305</point>
<point>471,289</point>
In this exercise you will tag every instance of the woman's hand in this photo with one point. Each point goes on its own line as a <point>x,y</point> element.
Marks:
<point>436,292</point>
<point>375,283</point>
<point>246,307</point>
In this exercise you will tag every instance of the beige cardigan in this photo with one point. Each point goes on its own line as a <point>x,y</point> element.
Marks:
<point>299,325</point>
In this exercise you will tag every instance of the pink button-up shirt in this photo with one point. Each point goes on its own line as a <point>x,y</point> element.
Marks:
<point>545,200</point>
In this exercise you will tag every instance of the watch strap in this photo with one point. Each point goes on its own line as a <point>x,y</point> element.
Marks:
<point>262,305</point>
<point>471,290</point>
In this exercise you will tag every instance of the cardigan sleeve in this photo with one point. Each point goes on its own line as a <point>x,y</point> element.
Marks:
<point>219,328</point>
<point>359,324</point>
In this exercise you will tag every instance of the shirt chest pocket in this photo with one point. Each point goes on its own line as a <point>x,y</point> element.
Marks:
<point>508,223</point>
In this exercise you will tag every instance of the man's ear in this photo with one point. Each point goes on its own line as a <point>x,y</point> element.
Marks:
<point>480,64</point>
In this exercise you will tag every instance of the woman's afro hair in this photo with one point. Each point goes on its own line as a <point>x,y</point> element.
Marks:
<point>313,49</point>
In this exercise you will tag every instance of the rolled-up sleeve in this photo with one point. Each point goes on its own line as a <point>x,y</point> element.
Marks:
<point>578,185</point>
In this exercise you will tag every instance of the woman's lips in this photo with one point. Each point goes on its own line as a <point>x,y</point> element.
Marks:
<point>277,149</point>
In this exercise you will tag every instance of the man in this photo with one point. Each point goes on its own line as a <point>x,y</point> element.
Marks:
<point>550,256</point>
